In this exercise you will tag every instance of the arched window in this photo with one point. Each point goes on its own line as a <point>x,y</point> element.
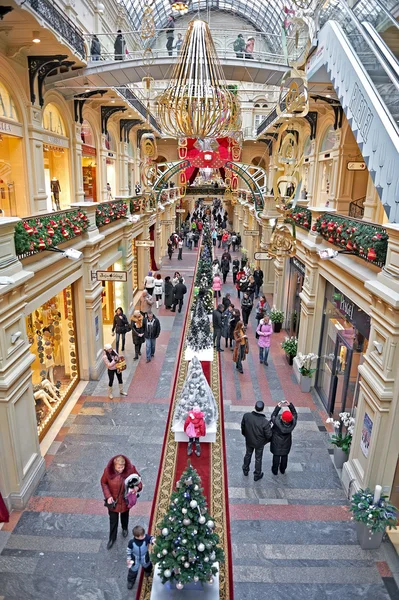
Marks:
<point>329,140</point>
<point>52,120</point>
<point>307,147</point>
<point>86,133</point>
<point>110,142</point>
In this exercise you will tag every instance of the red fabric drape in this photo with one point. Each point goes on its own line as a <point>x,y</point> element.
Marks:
<point>152,250</point>
<point>4,514</point>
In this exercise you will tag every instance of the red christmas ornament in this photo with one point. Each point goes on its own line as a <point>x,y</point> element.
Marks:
<point>371,255</point>
<point>54,224</point>
<point>64,233</point>
<point>314,228</point>
<point>77,230</point>
<point>50,231</point>
<point>41,245</point>
<point>28,228</point>
<point>339,229</point>
<point>349,245</point>
<point>306,224</point>
<point>331,239</point>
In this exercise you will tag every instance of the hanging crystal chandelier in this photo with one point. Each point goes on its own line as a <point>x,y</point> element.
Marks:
<point>179,7</point>
<point>197,102</point>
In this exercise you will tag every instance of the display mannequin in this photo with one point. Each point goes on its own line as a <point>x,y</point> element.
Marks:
<point>55,190</point>
<point>49,362</point>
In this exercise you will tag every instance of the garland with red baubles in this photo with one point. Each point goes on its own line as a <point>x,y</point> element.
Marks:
<point>41,233</point>
<point>363,239</point>
<point>110,211</point>
<point>301,216</point>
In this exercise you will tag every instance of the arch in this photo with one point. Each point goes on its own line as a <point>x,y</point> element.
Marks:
<point>92,118</point>
<point>307,146</point>
<point>328,139</point>
<point>259,161</point>
<point>53,97</point>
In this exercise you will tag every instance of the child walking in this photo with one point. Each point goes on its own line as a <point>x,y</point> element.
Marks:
<point>138,554</point>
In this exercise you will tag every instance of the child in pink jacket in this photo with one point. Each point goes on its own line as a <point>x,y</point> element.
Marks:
<point>216,286</point>
<point>264,331</point>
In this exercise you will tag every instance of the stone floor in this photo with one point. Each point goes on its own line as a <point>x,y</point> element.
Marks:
<point>291,534</point>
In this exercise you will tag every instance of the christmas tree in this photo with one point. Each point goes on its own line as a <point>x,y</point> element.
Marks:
<point>187,546</point>
<point>196,392</point>
<point>199,334</point>
<point>207,298</point>
<point>204,272</point>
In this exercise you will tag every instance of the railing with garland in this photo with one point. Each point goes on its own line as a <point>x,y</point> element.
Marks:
<point>110,211</point>
<point>301,216</point>
<point>36,234</point>
<point>369,241</point>
<point>205,190</point>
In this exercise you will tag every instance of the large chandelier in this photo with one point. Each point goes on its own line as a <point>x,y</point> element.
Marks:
<point>197,102</point>
<point>179,7</point>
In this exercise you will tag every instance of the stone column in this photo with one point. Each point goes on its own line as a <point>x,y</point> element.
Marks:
<point>143,254</point>
<point>278,290</point>
<point>269,212</point>
<point>379,384</point>
<point>21,465</point>
<point>372,204</point>
<point>76,156</point>
<point>103,155</point>
<point>37,169</point>
<point>123,167</point>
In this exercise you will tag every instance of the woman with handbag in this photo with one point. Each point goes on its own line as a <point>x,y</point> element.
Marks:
<point>120,326</point>
<point>113,486</point>
<point>240,347</point>
<point>115,364</point>
<point>137,332</point>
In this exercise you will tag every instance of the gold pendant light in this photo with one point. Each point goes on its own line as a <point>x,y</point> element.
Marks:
<point>197,102</point>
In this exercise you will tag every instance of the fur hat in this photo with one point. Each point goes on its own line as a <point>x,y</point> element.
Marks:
<point>287,416</point>
<point>108,347</point>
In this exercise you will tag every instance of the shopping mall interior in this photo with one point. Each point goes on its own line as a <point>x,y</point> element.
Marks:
<point>228,167</point>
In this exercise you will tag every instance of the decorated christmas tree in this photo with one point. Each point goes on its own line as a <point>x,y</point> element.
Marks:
<point>187,545</point>
<point>199,334</point>
<point>207,298</point>
<point>195,392</point>
<point>204,272</point>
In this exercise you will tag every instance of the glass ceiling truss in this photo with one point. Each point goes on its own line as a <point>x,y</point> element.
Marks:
<point>263,15</point>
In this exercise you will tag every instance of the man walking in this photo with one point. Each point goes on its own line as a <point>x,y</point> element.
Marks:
<point>170,34</point>
<point>179,292</point>
<point>152,329</point>
<point>217,326</point>
<point>257,432</point>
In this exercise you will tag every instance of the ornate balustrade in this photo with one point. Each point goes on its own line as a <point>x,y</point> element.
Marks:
<point>205,190</point>
<point>301,216</point>
<point>110,211</point>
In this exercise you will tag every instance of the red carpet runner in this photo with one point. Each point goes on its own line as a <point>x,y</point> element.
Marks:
<point>211,466</point>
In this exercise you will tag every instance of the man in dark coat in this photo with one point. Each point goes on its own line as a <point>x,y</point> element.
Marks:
<point>170,34</point>
<point>257,432</point>
<point>178,293</point>
<point>283,426</point>
<point>168,292</point>
<point>217,326</point>
<point>119,46</point>
<point>152,329</point>
<point>95,48</point>
<point>258,276</point>
<point>225,266</point>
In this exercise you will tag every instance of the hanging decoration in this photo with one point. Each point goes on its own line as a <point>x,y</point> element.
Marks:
<point>147,30</point>
<point>180,7</point>
<point>197,102</point>
<point>148,169</point>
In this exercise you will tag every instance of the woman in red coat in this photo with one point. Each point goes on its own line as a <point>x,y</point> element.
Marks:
<point>194,427</point>
<point>113,486</point>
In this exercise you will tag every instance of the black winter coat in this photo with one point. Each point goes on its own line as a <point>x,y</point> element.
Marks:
<point>155,331</point>
<point>256,429</point>
<point>217,319</point>
<point>246,304</point>
<point>282,432</point>
<point>168,294</point>
<point>121,324</point>
<point>225,266</point>
<point>135,332</point>
<point>179,291</point>
<point>258,276</point>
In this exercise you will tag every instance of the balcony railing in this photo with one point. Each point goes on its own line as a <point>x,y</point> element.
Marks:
<point>35,234</point>
<point>139,106</point>
<point>205,190</point>
<point>369,241</point>
<point>57,20</point>
<point>271,118</point>
<point>301,216</point>
<point>107,212</point>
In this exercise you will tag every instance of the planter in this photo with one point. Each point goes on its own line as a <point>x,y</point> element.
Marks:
<point>277,327</point>
<point>366,538</point>
<point>290,359</point>
<point>340,457</point>
<point>305,383</point>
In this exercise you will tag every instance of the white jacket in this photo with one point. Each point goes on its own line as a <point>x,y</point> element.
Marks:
<point>149,281</point>
<point>158,288</point>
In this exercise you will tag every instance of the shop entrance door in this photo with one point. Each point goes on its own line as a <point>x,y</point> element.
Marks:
<point>343,382</point>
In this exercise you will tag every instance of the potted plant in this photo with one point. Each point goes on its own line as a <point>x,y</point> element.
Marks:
<point>290,346</point>
<point>342,441</point>
<point>305,368</point>
<point>373,514</point>
<point>277,318</point>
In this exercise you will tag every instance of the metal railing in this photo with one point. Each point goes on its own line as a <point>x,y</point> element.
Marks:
<point>267,48</point>
<point>356,208</point>
<point>205,190</point>
<point>58,20</point>
<point>140,107</point>
<point>271,118</point>
<point>112,210</point>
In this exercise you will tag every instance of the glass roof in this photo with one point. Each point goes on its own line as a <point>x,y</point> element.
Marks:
<point>263,15</point>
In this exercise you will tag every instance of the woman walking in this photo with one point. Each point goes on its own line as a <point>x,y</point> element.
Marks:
<point>246,308</point>
<point>149,283</point>
<point>168,292</point>
<point>217,286</point>
<point>261,308</point>
<point>111,360</point>
<point>264,331</point>
<point>241,346</point>
<point>113,486</point>
<point>227,315</point>
<point>158,289</point>
<point>137,332</point>
<point>121,327</point>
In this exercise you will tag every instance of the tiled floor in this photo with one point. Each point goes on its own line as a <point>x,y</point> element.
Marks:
<point>291,534</point>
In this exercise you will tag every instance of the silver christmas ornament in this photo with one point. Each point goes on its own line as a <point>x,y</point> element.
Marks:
<point>201,520</point>
<point>196,578</point>
<point>184,511</point>
<point>180,585</point>
<point>165,531</point>
<point>164,552</point>
<point>167,573</point>
<point>186,565</point>
<point>206,559</point>
<point>193,504</point>
<point>210,524</point>
<point>186,521</point>
<point>201,547</point>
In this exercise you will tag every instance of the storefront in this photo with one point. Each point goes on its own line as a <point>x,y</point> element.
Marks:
<point>89,163</point>
<point>344,340</point>
<point>56,159</point>
<point>12,172</point>
<point>113,295</point>
<point>52,335</point>
<point>295,284</point>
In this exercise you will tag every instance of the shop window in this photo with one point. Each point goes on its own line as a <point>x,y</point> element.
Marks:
<point>56,160</point>
<point>8,109</point>
<point>89,162</point>
<point>86,133</point>
<point>110,142</point>
<point>52,335</point>
<point>52,120</point>
<point>329,140</point>
<point>307,147</point>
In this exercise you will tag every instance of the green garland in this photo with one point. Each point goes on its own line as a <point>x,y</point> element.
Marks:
<point>368,241</point>
<point>135,205</point>
<point>110,211</point>
<point>301,217</point>
<point>40,233</point>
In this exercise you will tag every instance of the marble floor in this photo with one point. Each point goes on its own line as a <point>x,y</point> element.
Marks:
<point>291,535</point>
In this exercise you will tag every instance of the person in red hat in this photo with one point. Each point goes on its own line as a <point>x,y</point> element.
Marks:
<point>283,426</point>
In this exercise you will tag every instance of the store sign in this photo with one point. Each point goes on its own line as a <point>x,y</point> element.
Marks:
<point>263,256</point>
<point>351,312</point>
<point>88,150</point>
<point>356,166</point>
<point>111,276</point>
<point>167,221</point>
<point>52,140</point>
<point>298,265</point>
<point>7,105</point>
<point>251,232</point>
<point>52,120</point>
<point>180,210</point>
<point>10,128</point>
<point>145,243</point>
<point>347,307</point>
